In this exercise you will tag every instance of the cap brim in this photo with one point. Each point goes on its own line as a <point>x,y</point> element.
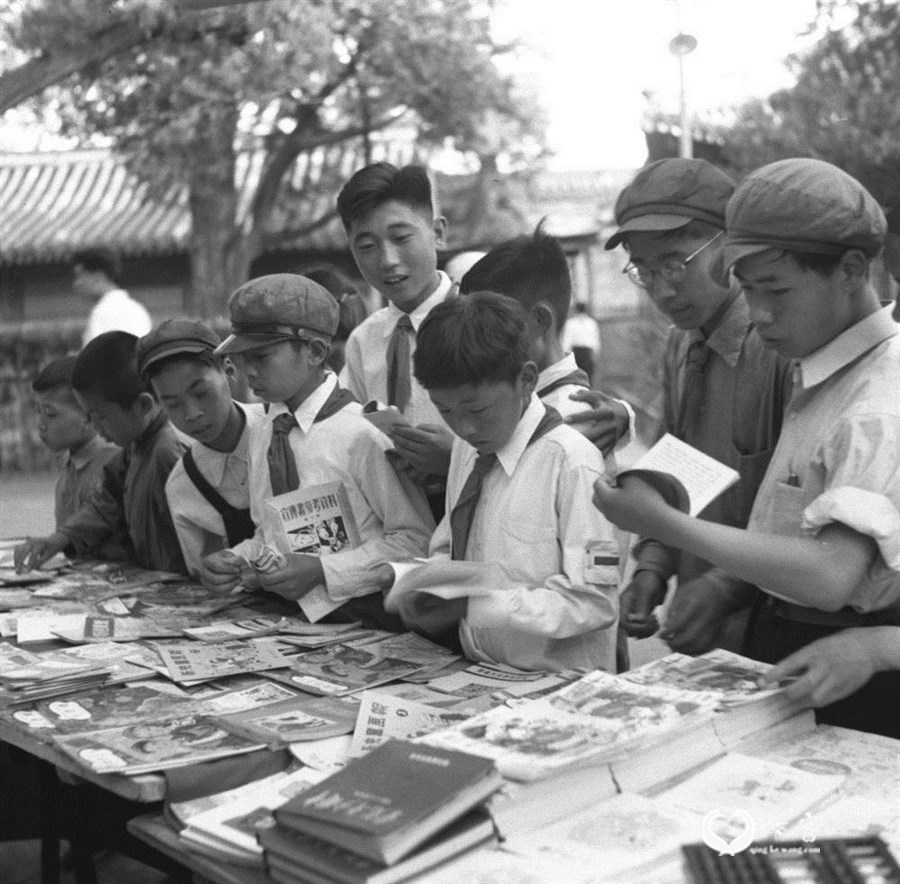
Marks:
<point>647,224</point>
<point>173,349</point>
<point>241,343</point>
<point>731,253</point>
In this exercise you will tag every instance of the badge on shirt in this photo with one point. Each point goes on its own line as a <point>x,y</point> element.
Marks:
<point>601,562</point>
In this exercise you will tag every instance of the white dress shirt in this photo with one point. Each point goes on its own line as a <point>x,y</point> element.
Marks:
<point>365,368</point>
<point>544,609</point>
<point>200,528</point>
<point>117,311</point>
<point>391,514</point>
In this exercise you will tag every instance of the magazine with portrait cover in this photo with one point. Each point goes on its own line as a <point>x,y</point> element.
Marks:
<point>157,744</point>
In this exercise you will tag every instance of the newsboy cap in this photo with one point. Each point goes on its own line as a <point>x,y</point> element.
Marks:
<point>279,307</point>
<point>172,337</point>
<point>801,205</point>
<point>669,194</point>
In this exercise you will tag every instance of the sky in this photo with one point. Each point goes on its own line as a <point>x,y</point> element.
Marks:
<point>590,62</point>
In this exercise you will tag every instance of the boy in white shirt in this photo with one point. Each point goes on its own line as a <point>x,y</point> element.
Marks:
<point>314,434</point>
<point>208,490</point>
<point>545,592</point>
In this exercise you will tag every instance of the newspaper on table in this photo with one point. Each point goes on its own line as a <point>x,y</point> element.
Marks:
<point>196,661</point>
<point>315,521</point>
<point>596,719</point>
<point>159,744</point>
<point>353,666</point>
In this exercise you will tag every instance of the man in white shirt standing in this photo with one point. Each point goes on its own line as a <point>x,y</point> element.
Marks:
<point>95,275</point>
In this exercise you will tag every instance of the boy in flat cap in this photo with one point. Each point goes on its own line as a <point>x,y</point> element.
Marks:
<point>208,489</point>
<point>314,433</point>
<point>724,391</point>
<point>824,536</point>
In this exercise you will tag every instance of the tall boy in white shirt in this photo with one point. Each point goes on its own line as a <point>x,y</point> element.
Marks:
<point>518,503</point>
<point>314,434</point>
<point>208,489</point>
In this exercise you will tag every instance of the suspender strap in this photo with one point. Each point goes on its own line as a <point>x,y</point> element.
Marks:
<point>238,524</point>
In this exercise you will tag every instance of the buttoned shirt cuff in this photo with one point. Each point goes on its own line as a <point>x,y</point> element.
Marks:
<point>628,436</point>
<point>864,511</point>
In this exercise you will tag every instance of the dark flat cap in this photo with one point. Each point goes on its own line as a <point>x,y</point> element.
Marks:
<point>801,205</point>
<point>668,194</point>
<point>174,336</point>
<point>279,307</point>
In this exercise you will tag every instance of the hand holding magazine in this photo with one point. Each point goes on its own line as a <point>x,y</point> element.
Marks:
<point>687,479</point>
<point>445,579</point>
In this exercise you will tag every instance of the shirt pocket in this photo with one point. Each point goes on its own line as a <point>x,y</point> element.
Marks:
<point>752,468</point>
<point>526,542</point>
<point>788,503</point>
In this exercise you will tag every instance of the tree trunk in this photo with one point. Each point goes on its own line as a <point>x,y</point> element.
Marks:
<point>219,250</point>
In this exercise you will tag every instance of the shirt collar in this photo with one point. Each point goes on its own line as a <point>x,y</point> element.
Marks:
<point>215,462</point>
<point>847,347</point>
<point>727,337</point>
<point>558,370</point>
<point>417,315</point>
<point>308,409</point>
<point>510,453</point>
<point>81,458</point>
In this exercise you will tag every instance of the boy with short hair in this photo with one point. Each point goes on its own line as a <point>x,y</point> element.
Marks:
<point>314,434</point>
<point>822,539</point>
<point>66,429</point>
<point>518,500</point>
<point>724,392</point>
<point>208,489</point>
<point>533,270</point>
<point>107,385</point>
<point>394,236</point>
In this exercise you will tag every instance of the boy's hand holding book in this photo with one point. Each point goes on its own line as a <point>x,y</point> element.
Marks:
<point>223,570</point>
<point>634,505</point>
<point>30,555</point>
<point>426,447</point>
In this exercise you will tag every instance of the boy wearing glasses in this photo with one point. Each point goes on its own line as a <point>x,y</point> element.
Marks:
<point>724,392</point>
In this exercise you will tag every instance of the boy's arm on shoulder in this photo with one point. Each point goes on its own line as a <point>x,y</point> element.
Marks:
<point>576,599</point>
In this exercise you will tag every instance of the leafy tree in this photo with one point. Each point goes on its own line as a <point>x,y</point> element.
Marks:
<point>276,80</point>
<point>845,106</point>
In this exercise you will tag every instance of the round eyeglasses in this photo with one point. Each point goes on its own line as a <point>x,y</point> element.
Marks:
<point>672,270</point>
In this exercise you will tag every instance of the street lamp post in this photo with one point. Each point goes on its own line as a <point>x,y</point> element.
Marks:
<point>680,46</point>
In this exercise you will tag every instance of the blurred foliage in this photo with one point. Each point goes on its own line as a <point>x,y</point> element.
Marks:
<point>845,106</point>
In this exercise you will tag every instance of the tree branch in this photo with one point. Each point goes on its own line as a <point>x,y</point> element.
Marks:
<point>284,237</point>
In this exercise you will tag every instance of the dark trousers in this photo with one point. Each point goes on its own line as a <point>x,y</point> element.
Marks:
<point>875,707</point>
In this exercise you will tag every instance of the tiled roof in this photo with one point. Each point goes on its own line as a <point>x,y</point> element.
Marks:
<point>54,204</point>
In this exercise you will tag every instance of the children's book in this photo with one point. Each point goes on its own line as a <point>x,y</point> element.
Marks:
<point>482,678</point>
<point>294,720</point>
<point>315,521</point>
<point>233,824</point>
<point>597,719</point>
<point>157,744</point>
<point>294,856</point>
<point>196,661</point>
<point>385,804</point>
<point>687,478</point>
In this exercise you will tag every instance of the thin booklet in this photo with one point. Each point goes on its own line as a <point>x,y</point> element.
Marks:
<point>315,521</point>
<point>688,479</point>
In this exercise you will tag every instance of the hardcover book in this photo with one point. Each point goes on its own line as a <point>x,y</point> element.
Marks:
<point>385,804</point>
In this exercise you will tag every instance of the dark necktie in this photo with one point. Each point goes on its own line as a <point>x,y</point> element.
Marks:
<point>692,399</point>
<point>282,464</point>
<point>464,510</point>
<point>399,385</point>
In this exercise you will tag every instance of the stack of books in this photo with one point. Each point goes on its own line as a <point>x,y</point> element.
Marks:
<point>26,677</point>
<point>391,814</point>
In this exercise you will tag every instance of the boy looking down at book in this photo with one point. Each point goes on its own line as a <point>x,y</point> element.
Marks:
<point>394,236</point>
<point>131,497</point>
<point>533,270</point>
<point>66,429</point>
<point>314,434</point>
<point>823,538</point>
<point>538,586</point>
<point>208,489</point>
<point>724,391</point>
